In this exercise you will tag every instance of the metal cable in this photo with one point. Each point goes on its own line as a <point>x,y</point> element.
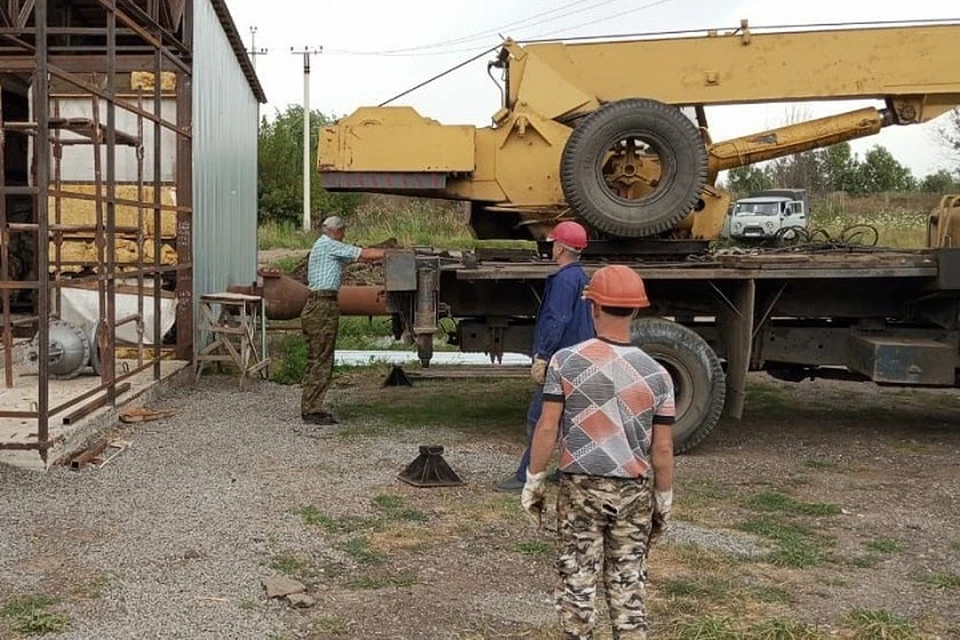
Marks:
<point>482,35</point>
<point>438,76</point>
<point>753,29</point>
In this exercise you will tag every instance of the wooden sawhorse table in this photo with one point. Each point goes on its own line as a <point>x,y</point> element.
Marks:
<point>239,333</point>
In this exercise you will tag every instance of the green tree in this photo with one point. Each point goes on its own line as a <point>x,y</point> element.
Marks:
<point>880,172</point>
<point>280,178</point>
<point>799,171</point>
<point>839,168</point>
<point>940,182</point>
<point>741,181</point>
<point>951,135</point>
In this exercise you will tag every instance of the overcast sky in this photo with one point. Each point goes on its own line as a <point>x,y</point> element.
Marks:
<point>345,76</point>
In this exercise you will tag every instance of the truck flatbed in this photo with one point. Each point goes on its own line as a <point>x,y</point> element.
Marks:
<point>735,266</point>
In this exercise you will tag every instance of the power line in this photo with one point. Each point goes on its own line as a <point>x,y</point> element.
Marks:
<point>412,54</point>
<point>753,29</point>
<point>481,35</point>
<point>610,17</point>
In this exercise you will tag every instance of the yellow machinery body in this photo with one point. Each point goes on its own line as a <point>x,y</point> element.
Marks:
<point>517,169</point>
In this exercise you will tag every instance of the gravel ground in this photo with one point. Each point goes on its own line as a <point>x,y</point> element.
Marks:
<point>173,538</point>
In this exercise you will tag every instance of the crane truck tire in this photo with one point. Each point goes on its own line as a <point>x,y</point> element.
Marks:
<point>698,378</point>
<point>682,158</point>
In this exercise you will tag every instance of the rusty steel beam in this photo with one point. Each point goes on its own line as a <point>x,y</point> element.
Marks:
<point>81,64</point>
<point>90,407</point>
<point>88,454</point>
<point>41,105</point>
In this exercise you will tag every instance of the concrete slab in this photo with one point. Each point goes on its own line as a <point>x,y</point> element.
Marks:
<point>70,438</point>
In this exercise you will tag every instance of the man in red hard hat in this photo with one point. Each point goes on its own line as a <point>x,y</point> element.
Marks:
<point>612,406</point>
<point>563,320</point>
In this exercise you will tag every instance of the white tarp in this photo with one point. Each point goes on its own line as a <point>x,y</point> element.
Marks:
<point>81,307</point>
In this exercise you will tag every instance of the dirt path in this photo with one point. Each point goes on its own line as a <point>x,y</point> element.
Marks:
<point>831,510</point>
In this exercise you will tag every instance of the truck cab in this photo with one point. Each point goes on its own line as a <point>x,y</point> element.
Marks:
<point>762,215</point>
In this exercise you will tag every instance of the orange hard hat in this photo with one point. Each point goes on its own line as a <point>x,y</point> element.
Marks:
<point>570,234</point>
<point>617,286</point>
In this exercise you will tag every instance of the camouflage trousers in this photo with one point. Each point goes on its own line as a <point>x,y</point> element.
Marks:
<point>603,522</point>
<point>320,320</point>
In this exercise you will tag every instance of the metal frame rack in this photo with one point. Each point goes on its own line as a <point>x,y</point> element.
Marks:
<point>87,45</point>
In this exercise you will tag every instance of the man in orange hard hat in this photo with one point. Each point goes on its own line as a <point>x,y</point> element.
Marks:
<point>563,320</point>
<point>612,406</point>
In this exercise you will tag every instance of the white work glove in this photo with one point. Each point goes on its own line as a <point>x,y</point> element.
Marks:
<point>663,502</point>
<point>538,372</point>
<point>533,498</point>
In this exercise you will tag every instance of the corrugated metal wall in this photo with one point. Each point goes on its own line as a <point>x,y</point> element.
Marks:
<point>224,162</point>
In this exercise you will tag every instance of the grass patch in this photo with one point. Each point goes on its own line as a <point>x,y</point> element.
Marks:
<point>867,561</point>
<point>248,604</point>
<point>380,582</point>
<point>287,264</point>
<point>94,588</point>
<point>765,399</point>
<point>798,546</point>
<point>868,624</point>
<point>773,501</point>
<point>279,235</point>
<point>534,548</point>
<point>332,625</point>
<point>884,545</point>
<point>394,508</point>
<point>28,615</point>
<point>769,594</point>
<point>822,465</point>
<point>291,566</point>
<point>289,359</point>
<point>495,406</point>
<point>359,549</point>
<point>701,587</point>
<point>955,545</point>
<point>943,580</point>
<point>699,559</point>
<point>713,627</point>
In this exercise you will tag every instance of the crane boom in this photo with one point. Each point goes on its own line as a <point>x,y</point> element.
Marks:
<point>594,131</point>
<point>742,67</point>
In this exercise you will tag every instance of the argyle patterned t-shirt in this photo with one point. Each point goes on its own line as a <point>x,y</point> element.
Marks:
<point>613,394</point>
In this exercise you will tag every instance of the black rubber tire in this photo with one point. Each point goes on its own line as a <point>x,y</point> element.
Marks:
<point>700,385</point>
<point>683,158</point>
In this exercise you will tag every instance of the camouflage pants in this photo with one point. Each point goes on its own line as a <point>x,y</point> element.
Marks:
<point>603,521</point>
<point>320,320</point>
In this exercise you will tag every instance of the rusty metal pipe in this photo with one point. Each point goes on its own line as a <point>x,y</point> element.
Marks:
<point>286,297</point>
<point>363,301</point>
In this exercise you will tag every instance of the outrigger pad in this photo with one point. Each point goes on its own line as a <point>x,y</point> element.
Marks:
<point>397,378</point>
<point>429,469</point>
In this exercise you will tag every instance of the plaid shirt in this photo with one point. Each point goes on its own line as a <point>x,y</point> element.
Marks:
<point>612,395</point>
<point>327,258</point>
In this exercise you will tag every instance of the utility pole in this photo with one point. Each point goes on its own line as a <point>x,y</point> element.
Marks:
<point>254,52</point>
<point>306,52</point>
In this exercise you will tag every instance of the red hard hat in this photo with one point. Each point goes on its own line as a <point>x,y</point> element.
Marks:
<point>570,234</point>
<point>617,286</point>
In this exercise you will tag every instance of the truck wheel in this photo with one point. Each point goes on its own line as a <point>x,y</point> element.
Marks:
<point>698,379</point>
<point>634,168</point>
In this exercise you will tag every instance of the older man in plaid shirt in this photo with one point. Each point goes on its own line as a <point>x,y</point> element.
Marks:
<point>320,318</point>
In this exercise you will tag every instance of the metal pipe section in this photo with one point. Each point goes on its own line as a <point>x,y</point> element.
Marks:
<point>363,301</point>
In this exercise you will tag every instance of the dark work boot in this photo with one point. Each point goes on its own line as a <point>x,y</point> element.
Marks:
<point>323,418</point>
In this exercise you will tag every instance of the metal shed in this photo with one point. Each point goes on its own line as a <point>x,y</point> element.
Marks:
<point>128,189</point>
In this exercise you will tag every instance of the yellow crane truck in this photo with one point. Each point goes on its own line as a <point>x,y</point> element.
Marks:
<point>614,134</point>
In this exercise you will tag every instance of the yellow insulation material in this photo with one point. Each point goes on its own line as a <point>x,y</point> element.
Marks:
<point>84,212</point>
<point>76,250</point>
